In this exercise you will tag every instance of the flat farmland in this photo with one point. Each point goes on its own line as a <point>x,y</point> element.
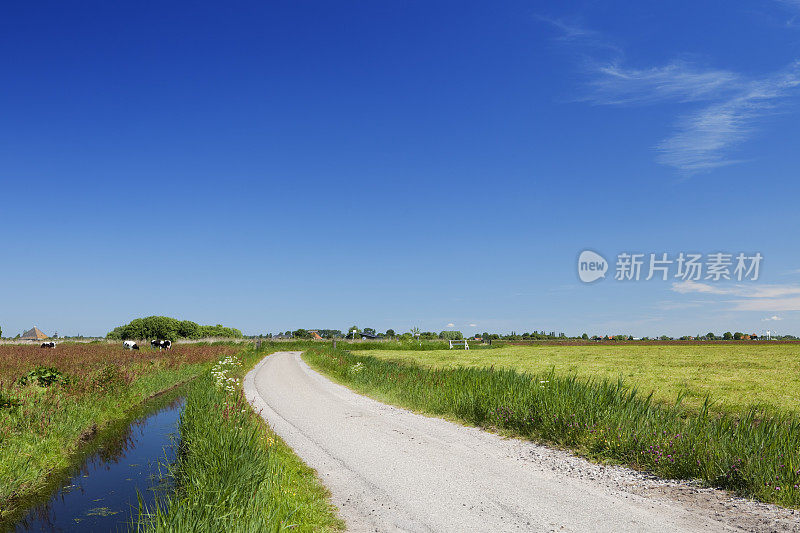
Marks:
<point>54,400</point>
<point>734,375</point>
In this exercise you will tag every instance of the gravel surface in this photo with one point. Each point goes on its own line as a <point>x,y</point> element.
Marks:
<point>389,469</point>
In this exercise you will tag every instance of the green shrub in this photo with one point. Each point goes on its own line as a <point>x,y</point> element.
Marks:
<point>164,327</point>
<point>44,376</point>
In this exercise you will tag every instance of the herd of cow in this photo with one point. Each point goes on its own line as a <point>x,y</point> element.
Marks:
<point>155,344</point>
<point>128,345</point>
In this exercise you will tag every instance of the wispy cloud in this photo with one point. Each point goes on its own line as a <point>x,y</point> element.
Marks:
<point>731,106</point>
<point>771,318</point>
<point>685,287</point>
<point>704,138</point>
<point>748,298</point>
<point>680,81</point>
<point>748,291</point>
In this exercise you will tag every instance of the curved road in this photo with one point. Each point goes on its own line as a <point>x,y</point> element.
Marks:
<point>392,470</point>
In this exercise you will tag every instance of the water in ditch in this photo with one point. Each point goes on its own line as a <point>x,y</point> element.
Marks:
<point>100,492</point>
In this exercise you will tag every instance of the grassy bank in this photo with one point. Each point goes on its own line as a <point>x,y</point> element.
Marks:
<point>46,418</point>
<point>735,375</point>
<point>233,473</point>
<point>753,453</point>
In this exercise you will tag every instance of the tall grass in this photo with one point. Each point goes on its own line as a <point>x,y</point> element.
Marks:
<point>755,453</point>
<point>232,472</point>
<point>42,427</point>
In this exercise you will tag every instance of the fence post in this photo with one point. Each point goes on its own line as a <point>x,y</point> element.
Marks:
<point>258,345</point>
<point>334,344</point>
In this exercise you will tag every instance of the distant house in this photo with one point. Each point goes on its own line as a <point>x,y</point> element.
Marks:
<point>314,334</point>
<point>370,336</point>
<point>34,334</point>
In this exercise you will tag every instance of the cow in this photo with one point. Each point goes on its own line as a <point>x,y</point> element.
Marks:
<point>50,344</point>
<point>161,345</point>
<point>130,345</point>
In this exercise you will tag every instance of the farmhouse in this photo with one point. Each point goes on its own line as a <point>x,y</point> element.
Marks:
<point>34,334</point>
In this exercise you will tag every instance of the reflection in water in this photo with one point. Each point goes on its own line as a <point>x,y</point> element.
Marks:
<point>101,494</point>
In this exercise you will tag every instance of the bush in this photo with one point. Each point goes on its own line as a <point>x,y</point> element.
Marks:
<point>164,327</point>
<point>44,376</point>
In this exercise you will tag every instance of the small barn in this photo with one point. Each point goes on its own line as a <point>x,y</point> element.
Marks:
<point>34,334</point>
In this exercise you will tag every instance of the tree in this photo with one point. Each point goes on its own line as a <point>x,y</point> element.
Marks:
<point>585,337</point>
<point>1,331</point>
<point>188,329</point>
<point>738,335</point>
<point>163,327</point>
<point>300,334</point>
<point>390,333</point>
<point>711,336</point>
<point>727,335</point>
<point>451,335</point>
<point>369,331</point>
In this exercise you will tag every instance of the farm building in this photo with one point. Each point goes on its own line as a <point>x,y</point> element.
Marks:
<point>34,334</point>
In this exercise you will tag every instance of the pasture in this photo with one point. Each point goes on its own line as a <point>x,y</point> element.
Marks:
<point>735,375</point>
<point>53,399</point>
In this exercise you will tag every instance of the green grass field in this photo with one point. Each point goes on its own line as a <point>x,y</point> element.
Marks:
<point>734,375</point>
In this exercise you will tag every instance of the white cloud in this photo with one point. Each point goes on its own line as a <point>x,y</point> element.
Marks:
<point>451,325</point>
<point>685,287</point>
<point>749,298</point>
<point>616,85</point>
<point>705,137</point>
<point>473,325</point>
<point>732,106</point>
<point>773,317</point>
<point>749,291</point>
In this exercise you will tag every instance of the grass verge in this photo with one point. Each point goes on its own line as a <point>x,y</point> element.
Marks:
<point>232,472</point>
<point>752,453</point>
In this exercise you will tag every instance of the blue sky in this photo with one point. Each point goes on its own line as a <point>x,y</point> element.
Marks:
<point>275,165</point>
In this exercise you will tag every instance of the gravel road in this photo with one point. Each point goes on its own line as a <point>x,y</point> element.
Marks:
<point>389,469</point>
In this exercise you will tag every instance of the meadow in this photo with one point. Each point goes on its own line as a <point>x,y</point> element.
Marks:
<point>54,400</point>
<point>751,451</point>
<point>233,473</point>
<point>735,375</point>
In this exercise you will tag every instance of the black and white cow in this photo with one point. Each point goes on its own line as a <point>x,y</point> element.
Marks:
<point>161,345</point>
<point>130,345</point>
<point>50,344</point>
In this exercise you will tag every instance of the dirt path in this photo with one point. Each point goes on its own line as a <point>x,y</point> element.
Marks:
<point>392,470</point>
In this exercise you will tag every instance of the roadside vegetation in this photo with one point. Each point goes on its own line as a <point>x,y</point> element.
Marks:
<point>53,400</point>
<point>232,472</point>
<point>735,375</point>
<point>753,452</point>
